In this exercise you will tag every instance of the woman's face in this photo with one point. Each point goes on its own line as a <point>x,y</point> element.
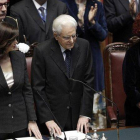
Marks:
<point>12,46</point>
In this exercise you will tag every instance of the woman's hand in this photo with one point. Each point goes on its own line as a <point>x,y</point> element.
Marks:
<point>92,14</point>
<point>32,127</point>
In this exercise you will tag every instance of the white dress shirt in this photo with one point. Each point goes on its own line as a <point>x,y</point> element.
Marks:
<point>37,5</point>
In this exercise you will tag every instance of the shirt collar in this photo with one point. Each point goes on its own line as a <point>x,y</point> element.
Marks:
<point>37,5</point>
<point>63,49</point>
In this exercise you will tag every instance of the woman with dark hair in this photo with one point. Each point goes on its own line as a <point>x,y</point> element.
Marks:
<point>16,100</point>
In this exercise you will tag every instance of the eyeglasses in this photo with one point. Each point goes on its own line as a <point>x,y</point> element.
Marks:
<point>4,4</point>
<point>67,38</point>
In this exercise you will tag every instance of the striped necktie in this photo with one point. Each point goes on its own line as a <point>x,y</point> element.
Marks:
<point>68,61</point>
<point>43,16</point>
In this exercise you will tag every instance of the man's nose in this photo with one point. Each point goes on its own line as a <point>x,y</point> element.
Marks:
<point>4,8</point>
<point>71,39</point>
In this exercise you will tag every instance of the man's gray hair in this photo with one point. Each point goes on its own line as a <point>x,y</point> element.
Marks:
<point>63,20</point>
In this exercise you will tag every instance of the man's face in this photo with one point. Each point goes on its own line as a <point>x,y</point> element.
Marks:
<point>67,37</point>
<point>3,9</point>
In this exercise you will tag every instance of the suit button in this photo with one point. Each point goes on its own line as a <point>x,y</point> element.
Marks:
<point>68,107</point>
<point>9,93</point>
<point>70,93</point>
<point>9,105</point>
<point>12,117</point>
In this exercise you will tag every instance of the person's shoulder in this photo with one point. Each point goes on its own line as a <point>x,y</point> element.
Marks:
<point>83,43</point>
<point>18,54</point>
<point>81,40</point>
<point>134,49</point>
<point>45,45</point>
<point>20,3</point>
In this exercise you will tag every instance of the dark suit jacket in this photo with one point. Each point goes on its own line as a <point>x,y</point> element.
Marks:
<point>131,80</point>
<point>119,20</point>
<point>30,22</point>
<point>16,104</point>
<point>49,78</point>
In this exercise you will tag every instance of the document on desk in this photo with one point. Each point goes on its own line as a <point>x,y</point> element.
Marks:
<point>80,135</point>
<point>26,138</point>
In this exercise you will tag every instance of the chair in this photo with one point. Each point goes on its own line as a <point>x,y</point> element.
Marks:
<point>31,50</point>
<point>113,58</point>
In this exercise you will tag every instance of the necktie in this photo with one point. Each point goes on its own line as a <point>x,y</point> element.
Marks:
<point>43,16</point>
<point>68,61</point>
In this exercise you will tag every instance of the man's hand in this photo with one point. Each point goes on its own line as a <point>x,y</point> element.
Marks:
<point>132,7</point>
<point>51,125</point>
<point>32,127</point>
<point>83,123</point>
<point>92,14</point>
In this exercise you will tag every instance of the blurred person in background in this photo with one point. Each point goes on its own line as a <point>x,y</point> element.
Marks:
<point>35,18</point>
<point>120,15</point>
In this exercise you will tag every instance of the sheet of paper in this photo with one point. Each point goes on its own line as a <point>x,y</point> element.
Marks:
<point>73,133</point>
<point>26,138</point>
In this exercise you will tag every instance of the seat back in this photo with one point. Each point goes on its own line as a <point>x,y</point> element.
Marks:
<point>29,62</point>
<point>113,59</point>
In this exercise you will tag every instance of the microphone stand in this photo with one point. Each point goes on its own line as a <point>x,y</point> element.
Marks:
<point>106,99</point>
<point>65,138</point>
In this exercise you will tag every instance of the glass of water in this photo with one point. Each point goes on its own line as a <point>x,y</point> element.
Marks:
<point>73,138</point>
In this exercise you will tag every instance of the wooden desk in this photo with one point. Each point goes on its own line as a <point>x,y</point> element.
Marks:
<point>126,133</point>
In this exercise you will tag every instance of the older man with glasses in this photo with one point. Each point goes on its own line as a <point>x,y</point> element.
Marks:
<point>55,61</point>
<point>3,11</point>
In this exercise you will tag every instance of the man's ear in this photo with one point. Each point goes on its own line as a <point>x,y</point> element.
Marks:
<point>55,35</point>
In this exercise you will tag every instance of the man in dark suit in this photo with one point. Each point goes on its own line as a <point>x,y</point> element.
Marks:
<point>35,18</point>
<point>120,15</point>
<point>3,11</point>
<point>54,62</point>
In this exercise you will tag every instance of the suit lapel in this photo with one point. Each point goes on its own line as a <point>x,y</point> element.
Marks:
<point>125,3</point>
<point>3,81</point>
<point>74,58</point>
<point>57,56</point>
<point>50,14</point>
<point>17,69</point>
<point>34,14</point>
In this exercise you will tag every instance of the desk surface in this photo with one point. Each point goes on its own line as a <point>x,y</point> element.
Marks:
<point>126,133</point>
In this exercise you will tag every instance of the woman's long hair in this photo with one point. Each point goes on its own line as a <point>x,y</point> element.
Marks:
<point>8,34</point>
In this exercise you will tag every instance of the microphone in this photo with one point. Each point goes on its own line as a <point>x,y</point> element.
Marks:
<point>65,138</point>
<point>103,97</point>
